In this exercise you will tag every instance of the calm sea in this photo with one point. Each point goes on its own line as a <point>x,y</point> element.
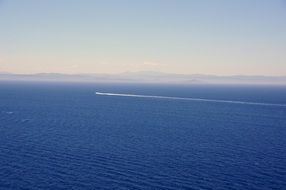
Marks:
<point>64,136</point>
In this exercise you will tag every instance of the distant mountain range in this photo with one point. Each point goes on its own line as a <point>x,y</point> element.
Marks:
<point>147,77</point>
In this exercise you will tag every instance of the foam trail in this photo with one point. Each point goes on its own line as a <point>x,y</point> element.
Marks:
<point>190,99</point>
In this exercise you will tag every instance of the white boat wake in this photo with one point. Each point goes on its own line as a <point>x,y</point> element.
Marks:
<point>189,99</point>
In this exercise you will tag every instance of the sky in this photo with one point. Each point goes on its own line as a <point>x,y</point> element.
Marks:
<point>221,37</point>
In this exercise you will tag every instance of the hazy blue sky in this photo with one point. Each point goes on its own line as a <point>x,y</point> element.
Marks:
<point>222,37</point>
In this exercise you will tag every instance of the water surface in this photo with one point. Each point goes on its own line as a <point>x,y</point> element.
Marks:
<point>64,136</point>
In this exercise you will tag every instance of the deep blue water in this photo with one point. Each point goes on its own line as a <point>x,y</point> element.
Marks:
<point>63,136</point>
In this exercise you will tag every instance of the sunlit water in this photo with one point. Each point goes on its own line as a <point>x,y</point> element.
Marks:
<point>65,136</point>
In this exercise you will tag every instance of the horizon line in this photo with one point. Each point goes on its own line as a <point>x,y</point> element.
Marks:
<point>157,72</point>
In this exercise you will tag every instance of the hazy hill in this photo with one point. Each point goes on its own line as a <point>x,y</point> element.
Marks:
<point>148,77</point>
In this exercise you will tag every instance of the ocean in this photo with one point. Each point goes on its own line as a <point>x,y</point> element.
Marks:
<point>127,136</point>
